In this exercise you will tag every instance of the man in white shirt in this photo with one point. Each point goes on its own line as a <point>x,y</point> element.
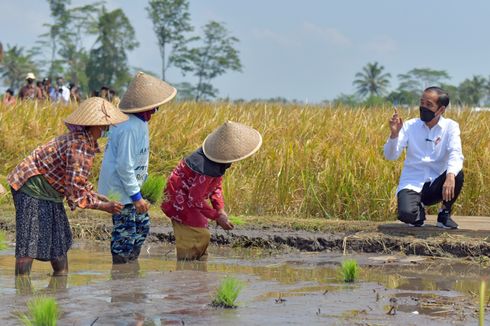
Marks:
<point>433,168</point>
<point>63,93</point>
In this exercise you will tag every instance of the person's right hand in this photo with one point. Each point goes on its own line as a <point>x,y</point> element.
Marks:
<point>142,206</point>
<point>112,207</point>
<point>224,223</point>
<point>396,124</point>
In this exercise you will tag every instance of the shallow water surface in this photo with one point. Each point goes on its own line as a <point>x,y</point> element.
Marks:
<point>279,288</point>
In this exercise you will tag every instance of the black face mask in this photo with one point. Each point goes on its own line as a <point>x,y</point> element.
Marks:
<point>426,115</point>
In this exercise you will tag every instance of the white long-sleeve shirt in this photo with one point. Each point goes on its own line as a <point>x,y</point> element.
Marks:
<point>430,152</point>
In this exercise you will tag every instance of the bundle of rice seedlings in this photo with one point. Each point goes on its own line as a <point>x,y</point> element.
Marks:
<point>349,270</point>
<point>42,311</point>
<point>152,189</point>
<point>227,293</point>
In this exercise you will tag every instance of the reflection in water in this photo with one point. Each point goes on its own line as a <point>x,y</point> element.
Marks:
<point>23,284</point>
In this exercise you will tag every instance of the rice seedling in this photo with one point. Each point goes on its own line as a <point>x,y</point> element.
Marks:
<point>327,164</point>
<point>152,189</point>
<point>3,240</point>
<point>236,220</point>
<point>349,270</point>
<point>483,302</point>
<point>227,293</point>
<point>42,311</point>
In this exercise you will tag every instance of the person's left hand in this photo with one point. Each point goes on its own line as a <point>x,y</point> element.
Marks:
<point>448,187</point>
<point>103,198</point>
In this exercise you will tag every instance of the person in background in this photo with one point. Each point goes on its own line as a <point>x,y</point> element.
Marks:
<point>49,89</point>
<point>29,91</point>
<point>197,179</point>
<point>56,170</point>
<point>74,93</point>
<point>104,93</point>
<point>9,98</point>
<point>433,168</point>
<point>41,94</point>
<point>125,164</point>
<point>63,93</point>
<point>114,99</point>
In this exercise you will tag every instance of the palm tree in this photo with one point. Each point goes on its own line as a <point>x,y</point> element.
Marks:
<point>15,66</point>
<point>472,91</point>
<point>372,81</point>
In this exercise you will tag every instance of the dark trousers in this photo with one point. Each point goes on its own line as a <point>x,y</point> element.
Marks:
<point>410,202</point>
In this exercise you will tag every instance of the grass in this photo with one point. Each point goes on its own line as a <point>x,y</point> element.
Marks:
<point>42,311</point>
<point>152,189</point>
<point>3,240</point>
<point>349,270</point>
<point>236,220</point>
<point>328,164</point>
<point>227,293</point>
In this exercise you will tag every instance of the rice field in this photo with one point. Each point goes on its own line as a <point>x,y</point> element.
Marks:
<point>315,161</point>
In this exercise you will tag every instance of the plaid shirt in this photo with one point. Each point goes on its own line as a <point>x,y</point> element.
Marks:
<point>65,162</point>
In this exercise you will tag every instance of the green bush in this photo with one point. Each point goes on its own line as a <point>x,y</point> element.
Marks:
<point>227,293</point>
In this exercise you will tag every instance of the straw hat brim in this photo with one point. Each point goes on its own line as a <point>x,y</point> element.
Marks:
<point>208,142</point>
<point>149,107</point>
<point>95,111</point>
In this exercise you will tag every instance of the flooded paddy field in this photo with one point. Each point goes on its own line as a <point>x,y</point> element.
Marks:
<point>280,288</point>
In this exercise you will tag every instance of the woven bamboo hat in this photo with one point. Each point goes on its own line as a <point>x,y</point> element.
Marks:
<point>146,92</point>
<point>95,111</point>
<point>231,142</point>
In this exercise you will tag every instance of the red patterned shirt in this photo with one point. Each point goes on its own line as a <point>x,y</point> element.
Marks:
<point>187,194</point>
<point>65,162</point>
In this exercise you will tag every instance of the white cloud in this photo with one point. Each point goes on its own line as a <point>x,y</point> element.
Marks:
<point>381,45</point>
<point>282,40</point>
<point>328,34</point>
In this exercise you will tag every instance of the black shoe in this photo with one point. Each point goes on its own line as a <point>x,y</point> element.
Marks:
<point>421,220</point>
<point>445,221</point>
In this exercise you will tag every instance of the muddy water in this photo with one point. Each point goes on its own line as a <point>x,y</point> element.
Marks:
<point>280,288</point>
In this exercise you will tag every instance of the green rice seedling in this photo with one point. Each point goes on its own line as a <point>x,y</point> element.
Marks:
<point>227,293</point>
<point>349,270</point>
<point>42,311</point>
<point>483,303</point>
<point>236,220</point>
<point>152,189</point>
<point>3,240</point>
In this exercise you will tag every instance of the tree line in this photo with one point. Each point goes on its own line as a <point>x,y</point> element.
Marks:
<point>89,46</point>
<point>373,82</point>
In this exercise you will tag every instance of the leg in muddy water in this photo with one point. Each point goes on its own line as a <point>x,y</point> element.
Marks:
<point>123,234</point>
<point>142,230</point>
<point>58,282</point>
<point>23,285</point>
<point>60,266</point>
<point>23,265</point>
<point>191,243</point>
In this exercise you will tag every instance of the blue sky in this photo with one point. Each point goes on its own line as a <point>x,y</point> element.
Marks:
<point>306,50</point>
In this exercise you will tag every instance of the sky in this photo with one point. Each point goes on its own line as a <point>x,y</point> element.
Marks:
<point>306,50</point>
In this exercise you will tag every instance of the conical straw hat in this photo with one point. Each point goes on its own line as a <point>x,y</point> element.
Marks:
<point>96,111</point>
<point>231,142</point>
<point>146,92</point>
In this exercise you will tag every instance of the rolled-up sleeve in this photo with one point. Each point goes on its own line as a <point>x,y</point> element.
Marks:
<point>456,158</point>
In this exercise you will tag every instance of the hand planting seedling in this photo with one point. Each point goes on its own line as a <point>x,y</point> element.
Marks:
<point>349,270</point>
<point>152,189</point>
<point>42,311</point>
<point>227,293</point>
